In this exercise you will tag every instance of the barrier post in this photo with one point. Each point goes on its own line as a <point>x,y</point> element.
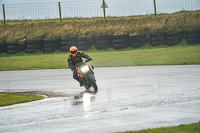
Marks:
<point>4,14</point>
<point>155,7</point>
<point>60,12</point>
<point>104,11</point>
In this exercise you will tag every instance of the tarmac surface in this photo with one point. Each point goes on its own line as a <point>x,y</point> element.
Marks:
<point>129,98</point>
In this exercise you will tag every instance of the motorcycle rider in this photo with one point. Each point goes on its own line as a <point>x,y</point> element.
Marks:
<point>74,58</point>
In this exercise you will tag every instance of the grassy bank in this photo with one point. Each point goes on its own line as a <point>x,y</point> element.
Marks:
<point>190,128</point>
<point>70,27</point>
<point>15,98</point>
<point>147,55</point>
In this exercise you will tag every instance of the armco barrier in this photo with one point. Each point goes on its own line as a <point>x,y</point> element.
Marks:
<point>66,43</point>
<point>174,38</point>
<point>51,45</point>
<point>137,41</point>
<point>193,36</point>
<point>103,42</point>
<point>33,46</point>
<point>120,41</point>
<point>3,48</point>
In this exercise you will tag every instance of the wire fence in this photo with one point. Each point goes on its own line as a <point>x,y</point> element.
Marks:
<point>92,8</point>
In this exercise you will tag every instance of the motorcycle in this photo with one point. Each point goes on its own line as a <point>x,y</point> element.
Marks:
<point>86,74</point>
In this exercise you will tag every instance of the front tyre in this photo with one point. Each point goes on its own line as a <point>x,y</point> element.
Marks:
<point>93,81</point>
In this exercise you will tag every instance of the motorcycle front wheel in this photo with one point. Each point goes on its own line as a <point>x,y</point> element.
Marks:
<point>93,81</point>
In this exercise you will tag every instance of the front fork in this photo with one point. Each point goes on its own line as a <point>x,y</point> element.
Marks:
<point>87,83</point>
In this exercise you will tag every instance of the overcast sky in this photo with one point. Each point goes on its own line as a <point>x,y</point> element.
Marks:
<point>17,9</point>
<point>31,1</point>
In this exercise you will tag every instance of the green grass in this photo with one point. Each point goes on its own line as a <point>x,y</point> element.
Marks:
<point>190,128</point>
<point>17,30</point>
<point>147,55</point>
<point>15,98</point>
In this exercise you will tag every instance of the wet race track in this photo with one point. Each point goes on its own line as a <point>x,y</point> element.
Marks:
<point>129,98</point>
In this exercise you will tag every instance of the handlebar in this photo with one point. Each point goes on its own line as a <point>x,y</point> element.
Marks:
<point>82,62</point>
<point>88,60</point>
